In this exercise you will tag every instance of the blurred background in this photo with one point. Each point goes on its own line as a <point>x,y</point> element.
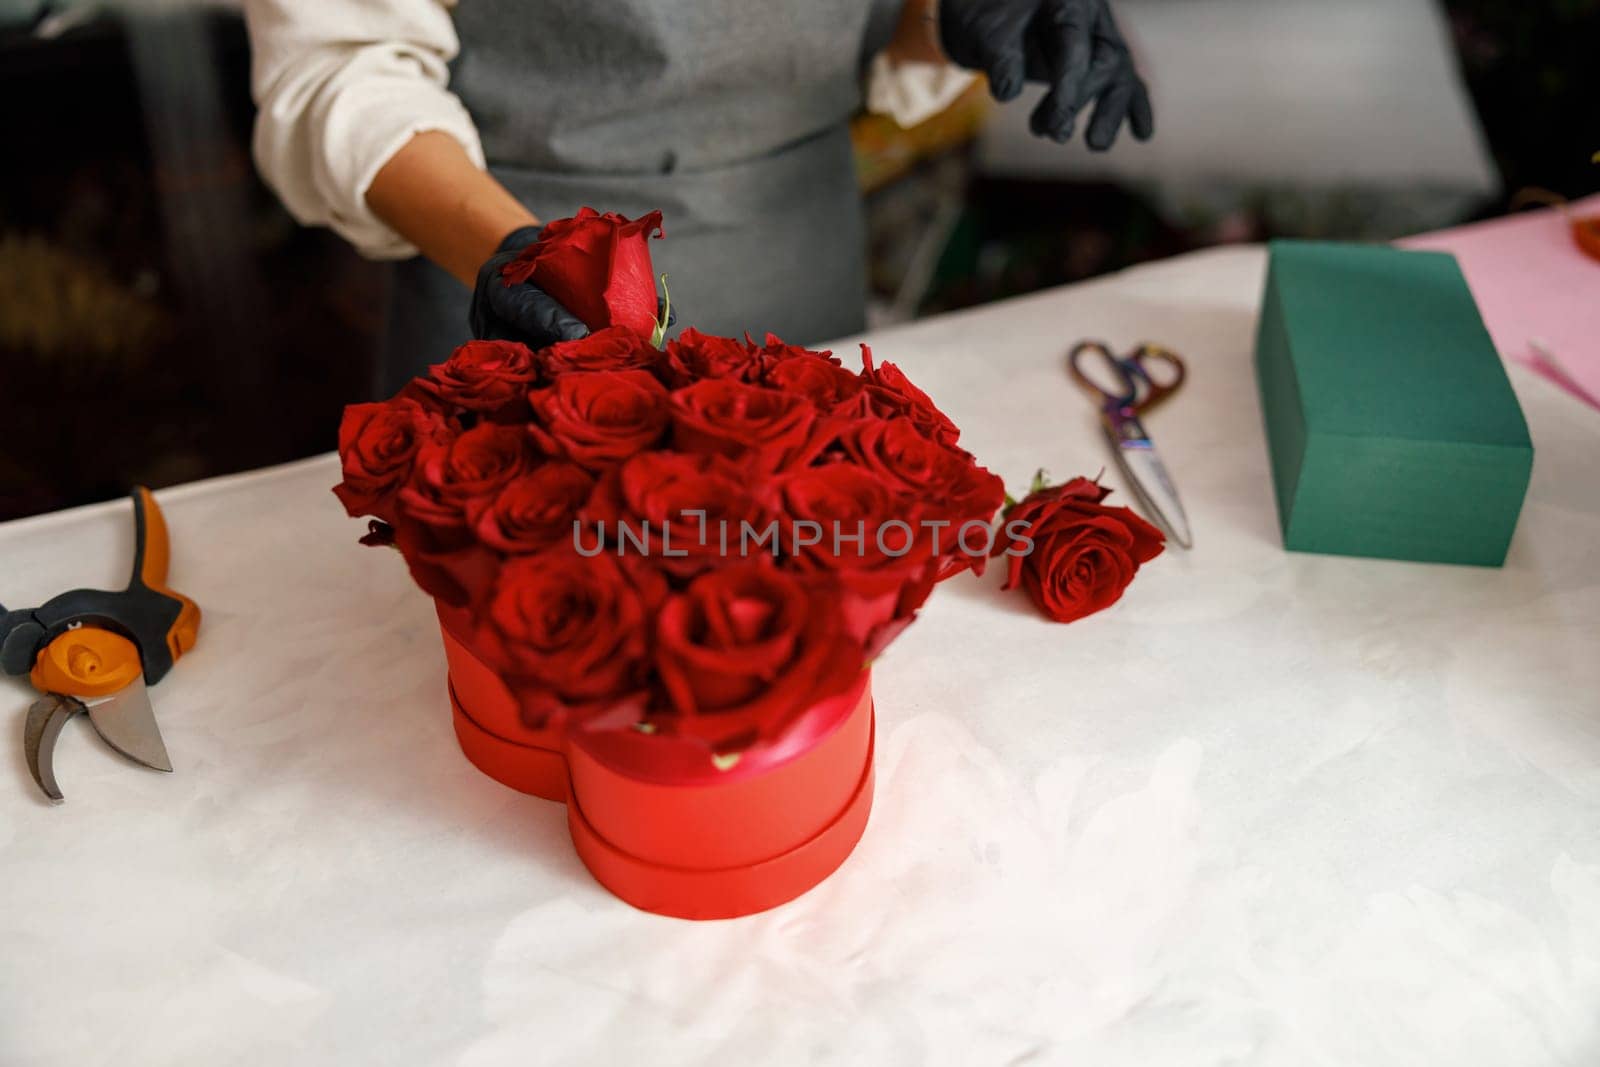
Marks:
<point>162,319</point>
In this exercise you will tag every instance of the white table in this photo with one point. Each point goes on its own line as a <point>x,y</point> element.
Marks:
<point>1270,809</point>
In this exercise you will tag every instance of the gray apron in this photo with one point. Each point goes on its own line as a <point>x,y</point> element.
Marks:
<point>731,116</point>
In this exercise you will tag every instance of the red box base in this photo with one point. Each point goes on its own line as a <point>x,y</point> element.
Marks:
<point>718,846</point>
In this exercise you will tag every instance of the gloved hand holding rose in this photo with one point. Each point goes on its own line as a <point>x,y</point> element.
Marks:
<point>560,281</point>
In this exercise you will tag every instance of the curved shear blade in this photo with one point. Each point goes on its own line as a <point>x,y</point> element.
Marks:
<point>128,724</point>
<point>39,733</point>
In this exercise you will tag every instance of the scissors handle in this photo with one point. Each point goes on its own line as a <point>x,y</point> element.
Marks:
<point>1099,372</point>
<point>1137,382</point>
<point>1160,384</point>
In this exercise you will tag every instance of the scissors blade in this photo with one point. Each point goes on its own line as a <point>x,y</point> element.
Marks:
<point>45,719</point>
<point>128,724</point>
<point>1151,484</point>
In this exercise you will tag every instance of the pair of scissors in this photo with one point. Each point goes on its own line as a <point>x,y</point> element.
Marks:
<point>1125,387</point>
<point>95,650</point>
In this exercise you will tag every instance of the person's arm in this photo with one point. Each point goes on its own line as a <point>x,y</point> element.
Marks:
<point>342,87</point>
<point>916,35</point>
<point>438,199</point>
<point>357,130</point>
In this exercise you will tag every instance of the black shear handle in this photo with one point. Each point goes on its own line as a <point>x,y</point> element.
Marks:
<point>161,622</point>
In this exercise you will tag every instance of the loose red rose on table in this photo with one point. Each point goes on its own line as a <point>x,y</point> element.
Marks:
<point>1072,553</point>
<point>597,419</point>
<point>746,647</point>
<point>489,377</point>
<point>597,266</point>
<point>378,446</point>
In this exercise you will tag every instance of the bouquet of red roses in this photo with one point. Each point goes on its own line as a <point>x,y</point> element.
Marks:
<point>696,542</point>
<point>662,572</point>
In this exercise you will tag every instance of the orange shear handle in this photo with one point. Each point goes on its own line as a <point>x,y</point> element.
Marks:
<point>151,555</point>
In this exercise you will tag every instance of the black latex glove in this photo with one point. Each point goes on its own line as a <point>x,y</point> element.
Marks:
<point>521,312</point>
<point>1073,46</point>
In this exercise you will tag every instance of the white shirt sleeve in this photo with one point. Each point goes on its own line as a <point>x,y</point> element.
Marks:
<point>341,86</point>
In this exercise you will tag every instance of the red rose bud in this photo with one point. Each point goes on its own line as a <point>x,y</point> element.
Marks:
<point>1073,554</point>
<point>575,626</point>
<point>614,348</point>
<point>378,445</point>
<point>535,510</point>
<point>769,428</point>
<point>597,419</point>
<point>746,648</point>
<point>489,377</point>
<point>598,266</point>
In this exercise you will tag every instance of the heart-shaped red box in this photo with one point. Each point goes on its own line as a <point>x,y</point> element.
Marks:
<point>681,837</point>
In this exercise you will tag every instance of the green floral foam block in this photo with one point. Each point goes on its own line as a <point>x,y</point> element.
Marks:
<point>1392,427</point>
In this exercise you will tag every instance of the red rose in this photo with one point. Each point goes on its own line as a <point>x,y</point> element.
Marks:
<point>841,518</point>
<point>892,393</point>
<point>745,648</point>
<point>485,376</point>
<point>947,479</point>
<point>696,356</point>
<point>816,377</point>
<point>535,510</point>
<point>598,266</point>
<point>452,481</point>
<point>775,349</point>
<point>378,446</point>
<point>574,626</point>
<point>597,419</point>
<point>828,505</point>
<point>731,418</point>
<point>693,510</point>
<point>949,486</point>
<point>614,348</point>
<point>1073,554</point>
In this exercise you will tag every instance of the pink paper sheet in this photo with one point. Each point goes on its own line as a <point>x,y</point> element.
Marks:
<point>1536,289</point>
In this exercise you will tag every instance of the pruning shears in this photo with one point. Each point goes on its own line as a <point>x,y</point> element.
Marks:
<point>96,650</point>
